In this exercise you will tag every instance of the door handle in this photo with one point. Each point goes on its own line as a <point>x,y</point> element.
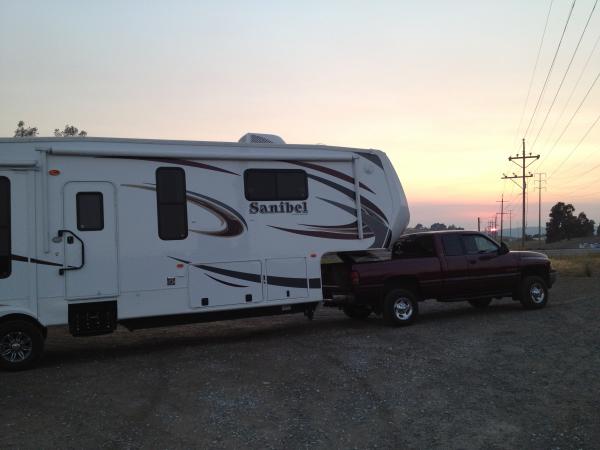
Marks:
<point>472,261</point>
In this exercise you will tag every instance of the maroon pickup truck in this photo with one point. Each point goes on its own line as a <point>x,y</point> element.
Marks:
<point>447,266</point>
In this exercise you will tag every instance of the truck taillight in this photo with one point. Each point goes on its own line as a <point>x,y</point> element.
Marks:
<point>354,278</point>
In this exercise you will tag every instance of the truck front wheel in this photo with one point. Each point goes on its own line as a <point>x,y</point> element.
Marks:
<point>21,344</point>
<point>534,292</point>
<point>400,307</point>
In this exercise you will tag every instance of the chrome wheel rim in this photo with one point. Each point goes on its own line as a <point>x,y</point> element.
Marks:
<point>537,293</point>
<point>403,308</point>
<point>16,347</point>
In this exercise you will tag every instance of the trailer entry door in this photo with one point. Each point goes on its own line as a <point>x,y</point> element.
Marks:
<point>90,240</point>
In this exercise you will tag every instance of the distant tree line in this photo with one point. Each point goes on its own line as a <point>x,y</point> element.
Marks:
<point>69,130</point>
<point>564,224</point>
<point>436,227</point>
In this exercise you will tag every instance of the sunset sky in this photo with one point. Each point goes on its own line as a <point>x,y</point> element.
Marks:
<point>440,86</point>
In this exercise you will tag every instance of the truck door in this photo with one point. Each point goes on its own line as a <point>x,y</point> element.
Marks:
<point>489,271</point>
<point>456,280</point>
<point>90,240</point>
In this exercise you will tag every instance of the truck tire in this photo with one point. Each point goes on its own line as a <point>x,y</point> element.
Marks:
<point>357,312</point>
<point>21,344</point>
<point>400,307</point>
<point>480,303</point>
<point>534,292</point>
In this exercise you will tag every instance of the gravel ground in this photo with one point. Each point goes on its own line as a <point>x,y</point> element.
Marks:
<point>458,378</point>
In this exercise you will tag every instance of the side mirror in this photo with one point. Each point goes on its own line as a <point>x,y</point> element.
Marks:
<point>503,249</point>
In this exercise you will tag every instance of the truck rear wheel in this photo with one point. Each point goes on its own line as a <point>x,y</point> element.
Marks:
<point>400,307</point>
<point>534,292</point>
<point>21,344</point>
<point>357,312</point>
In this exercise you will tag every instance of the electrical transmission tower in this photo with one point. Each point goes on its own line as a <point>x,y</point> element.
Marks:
<point>539,185</point>
<point>523,162</point>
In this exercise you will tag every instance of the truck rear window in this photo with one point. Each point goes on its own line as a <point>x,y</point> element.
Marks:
<point>414,247</point>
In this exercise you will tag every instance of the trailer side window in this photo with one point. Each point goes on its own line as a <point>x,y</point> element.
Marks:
<point>5,247</point>
<point>282,184</point>
<point>171,203</point>
<point>90,211</point>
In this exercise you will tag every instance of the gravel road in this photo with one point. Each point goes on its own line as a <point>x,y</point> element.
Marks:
<point>458,378</point>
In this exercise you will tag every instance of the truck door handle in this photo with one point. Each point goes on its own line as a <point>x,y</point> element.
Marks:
<point>472,261</point>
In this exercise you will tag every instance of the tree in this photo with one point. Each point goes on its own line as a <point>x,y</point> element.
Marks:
<point>564,225</point>
<point>437,226</point>
<point>419,227</point>
<point>21,131</point>
<point>69,131</point>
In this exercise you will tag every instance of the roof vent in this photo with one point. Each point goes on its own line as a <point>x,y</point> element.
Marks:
<point>259,138</point>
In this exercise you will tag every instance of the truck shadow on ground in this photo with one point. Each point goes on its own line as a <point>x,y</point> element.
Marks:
<point>63,349</point>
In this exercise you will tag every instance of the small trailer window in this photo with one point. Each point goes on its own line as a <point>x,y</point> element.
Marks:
<point>282,184</point>
<point>90,211</point>
<point>171,203</point>
<point>5,247</point>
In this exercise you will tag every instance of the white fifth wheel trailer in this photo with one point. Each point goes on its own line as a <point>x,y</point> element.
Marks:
<point>96,232</point>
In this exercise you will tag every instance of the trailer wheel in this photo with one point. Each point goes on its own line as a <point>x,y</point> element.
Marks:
<point>400,307</point>
<point>21,344</point>
<point>357,312</point>
<point>480,303</point>
<point>534,292</point>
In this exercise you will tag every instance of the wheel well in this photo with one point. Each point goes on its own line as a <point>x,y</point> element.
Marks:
<point>402,282</point>
<point>25,318</point>
<point>536,271</point>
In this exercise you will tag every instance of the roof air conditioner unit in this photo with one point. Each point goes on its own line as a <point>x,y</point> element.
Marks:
<point>260,138</point>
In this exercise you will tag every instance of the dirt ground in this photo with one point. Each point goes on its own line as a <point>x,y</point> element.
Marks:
<point>458,378</point>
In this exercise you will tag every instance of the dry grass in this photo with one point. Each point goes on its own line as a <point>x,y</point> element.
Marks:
<point>577,266</point>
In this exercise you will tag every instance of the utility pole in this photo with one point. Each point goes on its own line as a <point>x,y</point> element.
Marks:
<point>540,185</point>
<point>502,213</point>
<point>479,224</point>
<point>510,222</point>
<point>523,162</point>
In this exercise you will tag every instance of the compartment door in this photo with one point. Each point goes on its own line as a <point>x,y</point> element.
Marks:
<point>286,278</point>
<point>225,283</point>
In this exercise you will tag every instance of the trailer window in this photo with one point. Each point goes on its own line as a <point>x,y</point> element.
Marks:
<point>171,203</point>
<point>90,211</point>
<point>281,184</point>
<point>5,248</point>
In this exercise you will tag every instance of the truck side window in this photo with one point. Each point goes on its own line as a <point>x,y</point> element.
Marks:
<point>5,240</point>
<point>452,245</point>
<point>476,243</point>
<point>171,203</point>
<point>414,247</point>
<point>90,211</point>
<point>275,184</point>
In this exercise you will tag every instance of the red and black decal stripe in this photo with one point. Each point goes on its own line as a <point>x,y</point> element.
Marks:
<point>329,171</point>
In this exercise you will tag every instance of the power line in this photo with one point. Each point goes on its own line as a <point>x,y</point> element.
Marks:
<point>537,59</point>
<point>565,74</point>
<point>567,103</point>
<point>577,146</point>
<point>573,116</point>
<point>550,70</point>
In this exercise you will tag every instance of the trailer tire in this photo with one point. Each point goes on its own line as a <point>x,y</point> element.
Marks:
<point>480,303</point>
<point>534,292</point>
<point>400,307</point>
<point>21,344</point>
<point>357,312</point>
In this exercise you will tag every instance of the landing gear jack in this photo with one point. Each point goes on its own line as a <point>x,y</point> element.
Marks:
<point>309,311</point>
